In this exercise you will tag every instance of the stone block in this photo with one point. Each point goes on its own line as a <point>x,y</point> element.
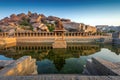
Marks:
<point>23,66</point>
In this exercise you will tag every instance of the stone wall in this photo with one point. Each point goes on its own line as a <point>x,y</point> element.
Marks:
<point>98,66</point>
<point>5,41</point>
<point>23,66</point>
<point>91,29</point>
<point>49,37</point>
<point>116,38</point>
<point>75,39</point>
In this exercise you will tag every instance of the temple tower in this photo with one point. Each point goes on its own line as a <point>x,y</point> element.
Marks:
<point>59,41</point>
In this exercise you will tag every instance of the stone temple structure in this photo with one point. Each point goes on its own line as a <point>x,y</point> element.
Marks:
<point>59,36</point>
<point>116,38</point>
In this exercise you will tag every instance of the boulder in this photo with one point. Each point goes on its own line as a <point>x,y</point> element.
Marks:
<point>65,20</point>
<point>53,18</point>
<point>40,26</point>
<point>14,18</point>
<point>71,26</point>
<point>21,16</point>
<point>36,25</point>
<point>35,19</point>
<point>11,32</point>
<point>43,27</point>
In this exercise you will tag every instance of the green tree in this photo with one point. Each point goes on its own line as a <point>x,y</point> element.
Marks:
<point>51,27</point>
<point>111,31</point>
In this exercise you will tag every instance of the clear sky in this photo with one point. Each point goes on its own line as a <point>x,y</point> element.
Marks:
<point>91,12</point>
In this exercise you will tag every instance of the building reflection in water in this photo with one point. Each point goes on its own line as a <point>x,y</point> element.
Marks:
<point>56,57</point>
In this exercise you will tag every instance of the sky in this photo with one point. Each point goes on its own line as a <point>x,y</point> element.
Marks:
<point>90,12</point>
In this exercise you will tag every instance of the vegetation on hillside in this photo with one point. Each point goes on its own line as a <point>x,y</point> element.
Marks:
<point>51,27</point>
<point>26,22</point>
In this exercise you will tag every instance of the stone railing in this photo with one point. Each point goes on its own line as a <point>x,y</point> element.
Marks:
<point>48,34</point>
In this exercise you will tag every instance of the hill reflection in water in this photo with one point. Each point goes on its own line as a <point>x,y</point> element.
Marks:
<point>70,60</point>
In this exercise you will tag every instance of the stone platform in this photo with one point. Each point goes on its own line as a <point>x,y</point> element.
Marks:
<point>21,67</point>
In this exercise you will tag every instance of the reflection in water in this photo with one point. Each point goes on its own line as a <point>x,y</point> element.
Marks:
<point>70,60</point>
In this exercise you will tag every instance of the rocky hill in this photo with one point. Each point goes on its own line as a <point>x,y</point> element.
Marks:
<point>38,23</point>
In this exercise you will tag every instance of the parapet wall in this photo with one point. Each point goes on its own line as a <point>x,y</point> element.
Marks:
<point>89,39</point>
<point>23,66</point>
<point>50,37</point>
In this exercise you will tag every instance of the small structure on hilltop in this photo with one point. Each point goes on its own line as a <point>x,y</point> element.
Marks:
<point>59,36</point>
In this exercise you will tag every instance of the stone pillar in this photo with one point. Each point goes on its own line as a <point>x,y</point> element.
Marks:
<point>78,34</point>
<point>29,34</point>
<point>21,34</point>
<point>24,35</point>
<point>50,34</point>
<point>43,34</point>
<point>55,35</point>
<point>33,34</point>
<point>0,34</point>
<point>18,34</point>
<point>46,34</point>
<point>70,34</point>
<point>73,34</point>
<point>38,34</point>
<point>4,34</point>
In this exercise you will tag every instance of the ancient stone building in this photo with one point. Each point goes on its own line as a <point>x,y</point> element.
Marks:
<point>91,29</point>
<point>79,27</point>
<point>116,38</point>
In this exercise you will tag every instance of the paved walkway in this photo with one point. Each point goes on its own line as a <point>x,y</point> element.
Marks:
<point>61,77</point>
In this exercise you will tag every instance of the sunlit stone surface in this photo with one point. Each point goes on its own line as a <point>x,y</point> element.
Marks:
<point>23,66</point>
